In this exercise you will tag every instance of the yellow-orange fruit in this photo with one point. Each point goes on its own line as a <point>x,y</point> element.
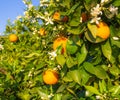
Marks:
<point>50,77</point>
<point>56,16</point>
<point>13,37</point>
<point>103,30</point>
<point>42,31</point>
<point>61,41</point>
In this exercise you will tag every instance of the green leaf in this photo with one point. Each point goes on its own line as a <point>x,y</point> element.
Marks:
<point>70,62</point>
<point>116,43</point>
<point>61,88</point>
<point>74,30</point>
<point>93,29</point>
<point>107,51</point>
<point>74,22</point>
<point>67,3</point>
<point>71,47</point>
<point>76,39</point>
<point>90,37</point>
<point>76,76</point>
<point>102,86</point>
<point>100,72</point>
<point>32,54</point>
<point>115,90</point>
<point>116,3</point>
<point>118,15</point>
<point>58,96</point>
<point>92,89</point>
<point>84,76</point>
<point>97,59</point>
<point>89,67</point>
<point>114,70</point>
<point>61,60</point>
<point>81,56</point>
<point>73,8</point>
<point>68,78</point>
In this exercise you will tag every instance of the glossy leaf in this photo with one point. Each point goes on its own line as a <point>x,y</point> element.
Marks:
<point>114,70</point>
<point>75,75</point>
<point>100,72</point>
<point>116,3</point>
<point>84,76</point>
<point>102,86</point>
<point>61,60</point>
<point>115,90</point>
<point>107,51</point>
<point>71,47</point>
<point>92,89</point>
<point>89,67</point>
<point>81,56</point>
<point>93,29</point>
<point>70,62</point>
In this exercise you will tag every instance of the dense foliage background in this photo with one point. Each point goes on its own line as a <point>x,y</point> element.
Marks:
<point>88,70</point>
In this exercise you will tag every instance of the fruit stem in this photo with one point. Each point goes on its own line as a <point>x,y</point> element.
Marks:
<point>51,89</point>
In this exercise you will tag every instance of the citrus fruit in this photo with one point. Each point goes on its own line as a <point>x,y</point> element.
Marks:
<point>42,31</point>
<point>50,77</point>
<point>56,16</point>
<point>103,30</point>
<point>13,37</point>
<point>60,41</point>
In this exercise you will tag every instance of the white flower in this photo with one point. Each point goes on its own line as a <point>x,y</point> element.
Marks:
<point>104,1</point>
<point>30,74</point>
<point>25,13</point>
<point>33,21</point>
<point>98,97</point>
<point>1,47</point>
<point>95,11</point>
<point>55,28</point>
<point>116,38</point>
<point>52,55</point>
<point>24,1</point>
<point>95,20</point>
<point>87,93</point>
<point>49,20</point>
<point>18,17</point>
<point>44,3</point>
<point>51,95</point>
<point>30,6</point>
<point>80,19</point>
<point>59,67</point>
<point>113,9</point>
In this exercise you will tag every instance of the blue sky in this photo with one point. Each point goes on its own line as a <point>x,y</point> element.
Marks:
<point>10,9</point>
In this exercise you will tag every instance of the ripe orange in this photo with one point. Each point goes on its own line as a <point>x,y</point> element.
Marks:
<point>103,30</point>
<point>56,16</point>
<point>50,77</point>
<point>42,31</point>
<point>61,41</point>
<point>13,37</point>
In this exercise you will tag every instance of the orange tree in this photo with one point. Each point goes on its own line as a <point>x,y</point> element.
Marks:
<point>89,69</point>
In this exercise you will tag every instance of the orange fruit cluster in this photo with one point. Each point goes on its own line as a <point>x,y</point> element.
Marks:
<point>13,37</point>
<point>61,41</point>
<point>50,77</point>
